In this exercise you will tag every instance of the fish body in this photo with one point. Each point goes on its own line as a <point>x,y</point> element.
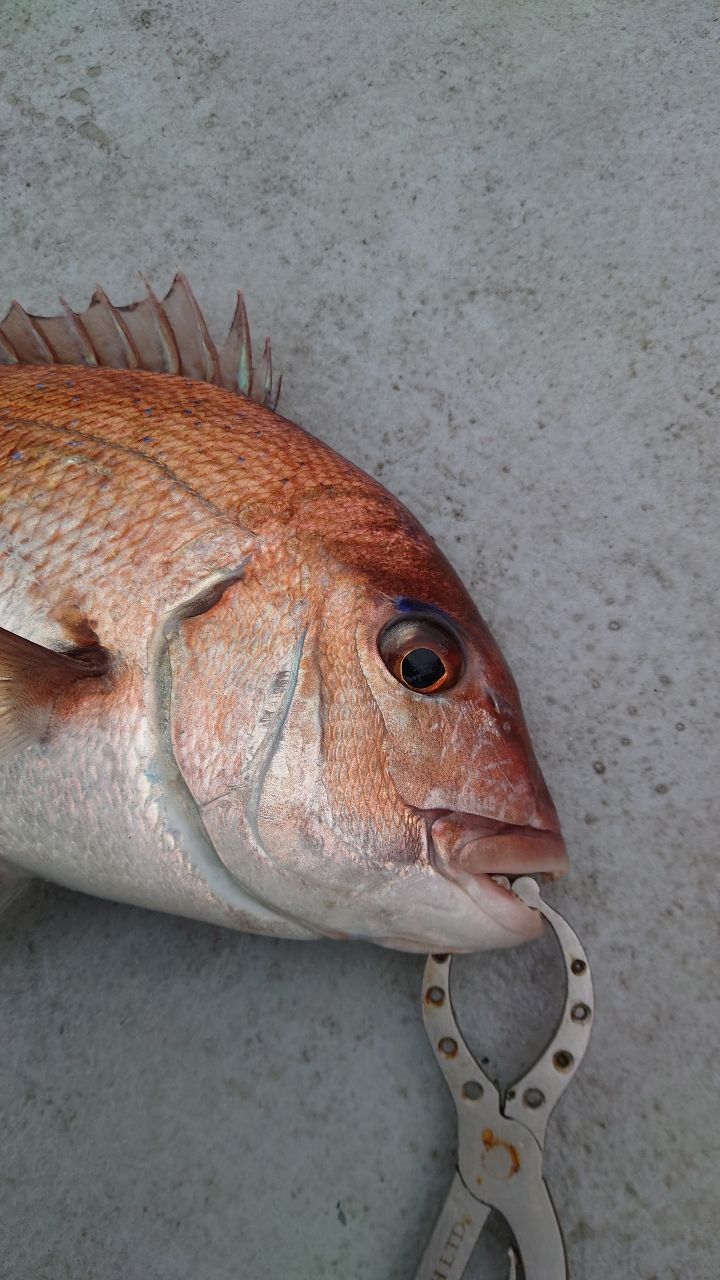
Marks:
<point>291,718</point>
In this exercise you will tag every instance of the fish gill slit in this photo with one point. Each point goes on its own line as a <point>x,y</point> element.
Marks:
<point>182,805</point>
<point>272,739</point>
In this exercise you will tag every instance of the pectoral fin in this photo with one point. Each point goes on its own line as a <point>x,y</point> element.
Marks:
<point>31,679</point>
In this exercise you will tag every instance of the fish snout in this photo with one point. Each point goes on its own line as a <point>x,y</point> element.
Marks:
<point>481,855</point>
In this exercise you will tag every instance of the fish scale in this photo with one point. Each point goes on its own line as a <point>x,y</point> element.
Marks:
<point>205,618</point>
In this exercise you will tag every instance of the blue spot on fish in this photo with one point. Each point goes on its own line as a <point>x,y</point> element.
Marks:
<point>418,606</point>
<point>16,455</point>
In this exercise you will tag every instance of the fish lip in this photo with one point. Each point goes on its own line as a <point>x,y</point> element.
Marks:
<point>483,848</point>
<point>483,845</point>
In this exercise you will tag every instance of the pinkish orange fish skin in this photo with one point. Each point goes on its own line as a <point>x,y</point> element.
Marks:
<point>125,494</point>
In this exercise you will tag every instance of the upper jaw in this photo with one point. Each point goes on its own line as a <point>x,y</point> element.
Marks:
<point>480,845</point>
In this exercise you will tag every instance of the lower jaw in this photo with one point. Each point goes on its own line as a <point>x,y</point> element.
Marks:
<point>498,901</point>
<point>484,868</point>
<point>513,923</point>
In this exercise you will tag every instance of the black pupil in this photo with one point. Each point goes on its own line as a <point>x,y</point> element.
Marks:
<point>422,668</point>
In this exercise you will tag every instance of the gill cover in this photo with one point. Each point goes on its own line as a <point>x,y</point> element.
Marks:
<point>281,736</point>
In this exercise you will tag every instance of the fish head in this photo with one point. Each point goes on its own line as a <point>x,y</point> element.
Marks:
<point>356,746</point>
<point>460,756</point>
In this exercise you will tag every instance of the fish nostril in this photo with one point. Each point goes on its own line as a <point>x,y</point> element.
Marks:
<point>502,709</point>
<point>499,704</point>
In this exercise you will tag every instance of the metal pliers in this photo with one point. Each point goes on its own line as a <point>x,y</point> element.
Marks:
<point>501,1139</point>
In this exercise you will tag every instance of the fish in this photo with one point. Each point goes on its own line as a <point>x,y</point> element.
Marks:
<point>239,682</point>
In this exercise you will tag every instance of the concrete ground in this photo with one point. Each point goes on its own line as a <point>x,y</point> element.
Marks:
<point>484,238</point>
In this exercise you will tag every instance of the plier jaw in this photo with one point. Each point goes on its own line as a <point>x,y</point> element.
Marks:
<point>501,1140</point>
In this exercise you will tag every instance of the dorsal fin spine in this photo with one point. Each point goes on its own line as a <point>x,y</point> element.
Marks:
<point>115,314</point>
<point>81,333</point>
<point>31,331</point>
<point>210,354</point>
<point>164,331</point>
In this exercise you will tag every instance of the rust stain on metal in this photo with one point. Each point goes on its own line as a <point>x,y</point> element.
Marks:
<point>435,996</point>
<point>490,1140</point>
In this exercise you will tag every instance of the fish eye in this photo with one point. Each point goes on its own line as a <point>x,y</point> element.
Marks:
<point>421,654</point>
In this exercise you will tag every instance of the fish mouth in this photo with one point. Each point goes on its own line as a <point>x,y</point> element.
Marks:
<point>483,855</point>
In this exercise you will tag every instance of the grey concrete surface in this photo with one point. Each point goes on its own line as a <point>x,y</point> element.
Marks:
<point>484,237</point>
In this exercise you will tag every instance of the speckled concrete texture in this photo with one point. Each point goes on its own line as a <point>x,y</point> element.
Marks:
<point>484,238</point>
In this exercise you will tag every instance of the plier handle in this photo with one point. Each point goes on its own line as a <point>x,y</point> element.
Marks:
<point>501,1138</point>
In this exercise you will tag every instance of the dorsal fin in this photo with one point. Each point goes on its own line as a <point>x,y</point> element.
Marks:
<point>168,336</point>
